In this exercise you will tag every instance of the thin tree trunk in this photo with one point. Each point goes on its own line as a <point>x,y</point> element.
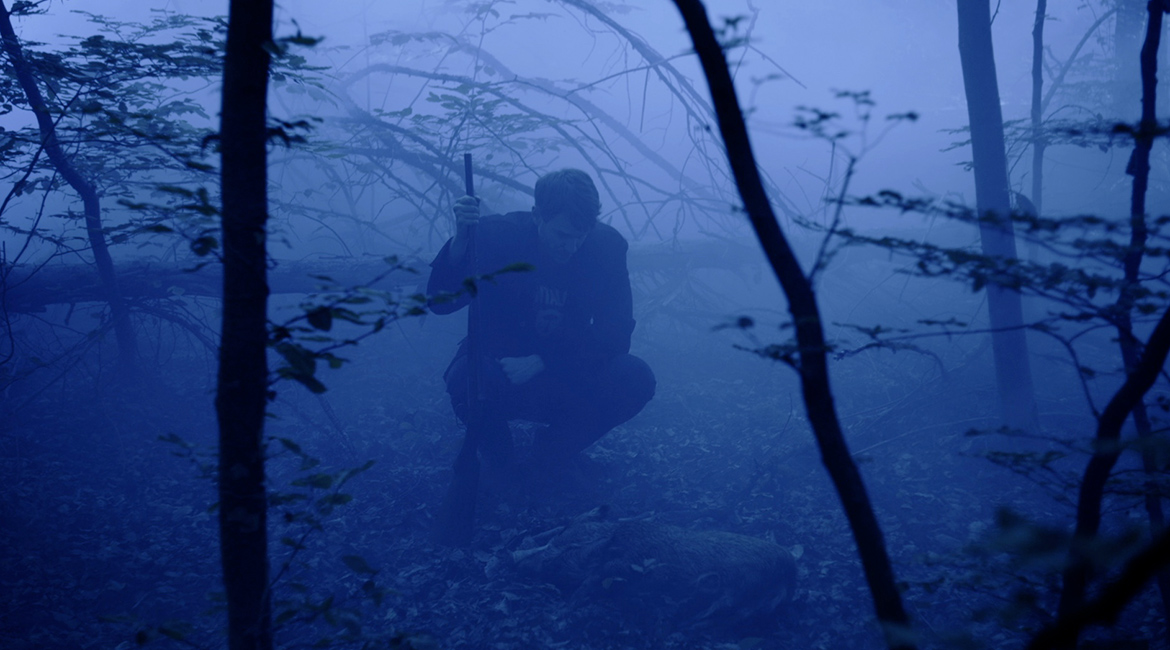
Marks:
<point>1038,143</point>
<point>241,396</point>
<point>1075,616</point>
<point>123,329</point>
<point>1127,43</point>
<point>1131,356</point>
<point>1013,369</point>
<point>812,365</point>
<point>1139,167</point>
<point>1137,383</point>
<point>1137,364</point>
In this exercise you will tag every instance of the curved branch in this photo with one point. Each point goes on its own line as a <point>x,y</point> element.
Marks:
<point>1059,80</point>
<point>1097,473</point>
<point>802,304</point>
<point>89,198</point>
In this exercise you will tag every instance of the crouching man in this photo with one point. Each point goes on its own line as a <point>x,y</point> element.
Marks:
<point>553,341</point>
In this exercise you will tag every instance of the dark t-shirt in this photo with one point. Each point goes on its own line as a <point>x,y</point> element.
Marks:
<point>575,315</point>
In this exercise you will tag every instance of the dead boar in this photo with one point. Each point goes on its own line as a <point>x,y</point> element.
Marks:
<point>672,573</point>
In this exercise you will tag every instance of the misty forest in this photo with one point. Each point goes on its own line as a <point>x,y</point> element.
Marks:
<point>898,269</point>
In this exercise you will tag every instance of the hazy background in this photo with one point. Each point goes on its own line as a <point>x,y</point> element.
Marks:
<point>101,519</point>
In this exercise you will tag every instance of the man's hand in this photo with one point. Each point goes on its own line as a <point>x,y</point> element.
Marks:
<point>466,211</point>
<point>522,369</point>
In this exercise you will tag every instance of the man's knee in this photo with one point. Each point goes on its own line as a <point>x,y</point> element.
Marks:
<point>490,384</point>
<point>631,384</point>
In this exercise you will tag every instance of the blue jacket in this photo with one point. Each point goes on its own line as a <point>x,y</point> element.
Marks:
<point>575,316</point>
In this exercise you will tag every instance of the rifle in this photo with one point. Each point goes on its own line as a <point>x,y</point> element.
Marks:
<point>455,523</point>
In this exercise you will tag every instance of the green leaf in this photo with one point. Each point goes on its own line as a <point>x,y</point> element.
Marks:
<point>204,245</point>
<point>171,632</point>
<point>308,463</point>
<point>174,439</point>
<point>322,481</point>
<point>312,383</point>
<point>282,498</point>
<point>301,39</point>
<point>300,360</point>
<point>349,314</point>
<point>358,564</point>
<point>372,590</point>
<point>288,541</point>
<point>518,267</point>
<point>285,616</point>
<point>338,499</point>
<point>350,473</point>
<point>321,318</point>
<point>177,190</point>
<point>327,503</point>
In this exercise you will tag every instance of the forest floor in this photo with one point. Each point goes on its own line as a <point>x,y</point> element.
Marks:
<point>108,536</point>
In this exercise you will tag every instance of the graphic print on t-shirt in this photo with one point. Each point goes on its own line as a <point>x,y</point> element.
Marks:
<point>550,309</point>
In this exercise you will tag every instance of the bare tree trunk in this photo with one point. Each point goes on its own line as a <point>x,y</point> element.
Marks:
<point>1127,43</point>
<point>123,329</point>
<point>1074,614</point>
<point>242,391</point>
<point>1038,142</point>
<point>1139,168</point>
<point>1080,570</point>
<point>812,364</point>
<point>1013,369</point>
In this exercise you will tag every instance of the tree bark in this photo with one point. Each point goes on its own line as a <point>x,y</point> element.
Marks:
<point>811,364</point>
<point>1137,383</point>
<point>242,390</point>
<point>1079,573</point>
<point>1013,369</point>
<point>1139,167</point>
<point>1113,598</point>
<point>1127,43</point>
<point>91,204</point>
<point>1038,143</point>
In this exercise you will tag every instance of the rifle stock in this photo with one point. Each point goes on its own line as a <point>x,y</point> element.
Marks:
<point>456,521</point>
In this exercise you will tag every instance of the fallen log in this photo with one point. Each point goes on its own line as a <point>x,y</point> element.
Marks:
<point>29,289</point>
<point>29,292</point>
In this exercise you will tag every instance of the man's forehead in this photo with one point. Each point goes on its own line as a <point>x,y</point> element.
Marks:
<point>561,222</point>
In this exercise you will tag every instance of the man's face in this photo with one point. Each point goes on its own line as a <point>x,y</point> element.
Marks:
<point>559,237</point>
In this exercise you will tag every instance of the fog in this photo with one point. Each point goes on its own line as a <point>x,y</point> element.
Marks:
<point>108,523</point>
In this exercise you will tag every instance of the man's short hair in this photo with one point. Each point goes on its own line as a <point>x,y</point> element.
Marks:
<point>570,191</point>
